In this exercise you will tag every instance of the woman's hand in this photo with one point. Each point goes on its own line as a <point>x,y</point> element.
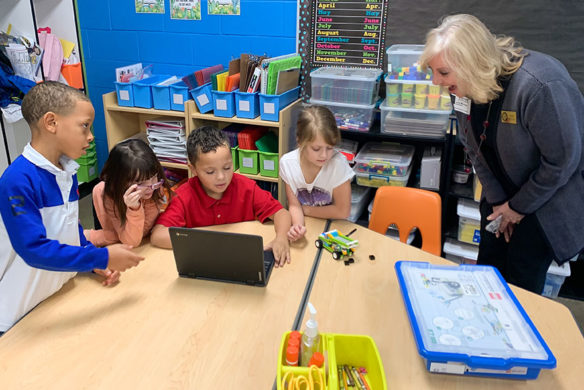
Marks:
<point>509,219</point>
<point>132,197</point>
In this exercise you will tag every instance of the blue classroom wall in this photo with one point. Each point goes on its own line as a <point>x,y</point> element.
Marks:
<point>114,35</point>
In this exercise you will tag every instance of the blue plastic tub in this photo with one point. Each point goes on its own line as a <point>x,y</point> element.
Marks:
<point>247,105</point>
<point>125,94</point>
<point>161,97</point>
<point>270,105</point>
<point>143,90</point>
<point>203,97</point>
<point>224,103</point>
<point>179,94</point>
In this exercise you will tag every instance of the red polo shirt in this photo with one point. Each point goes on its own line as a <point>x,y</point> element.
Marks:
<point>243,200</point>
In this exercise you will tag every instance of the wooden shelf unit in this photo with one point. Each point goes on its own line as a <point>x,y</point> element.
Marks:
<point>124,122</point>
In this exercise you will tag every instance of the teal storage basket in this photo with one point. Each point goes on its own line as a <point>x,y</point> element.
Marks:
<point>143,90</point>
<point>270,105</point>
<point>125,94</point>
<point>179,94</point>
<point>203,98</point>
<point>224,104</point>
<point>161,97</point>
<point>247,105</point>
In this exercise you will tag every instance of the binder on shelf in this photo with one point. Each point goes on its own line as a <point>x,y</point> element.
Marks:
<point>264,65</point>
<point>276,66</point>
<point>287,79</point>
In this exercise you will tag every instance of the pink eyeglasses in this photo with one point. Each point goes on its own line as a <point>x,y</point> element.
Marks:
<point>154,186</point>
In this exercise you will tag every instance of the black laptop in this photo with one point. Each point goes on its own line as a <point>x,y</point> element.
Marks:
<point>221,256</point>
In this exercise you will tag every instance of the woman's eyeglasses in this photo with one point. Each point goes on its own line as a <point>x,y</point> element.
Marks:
<point>154,186</point>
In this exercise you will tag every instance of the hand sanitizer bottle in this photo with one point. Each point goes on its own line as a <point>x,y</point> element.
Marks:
<point>310,337</point>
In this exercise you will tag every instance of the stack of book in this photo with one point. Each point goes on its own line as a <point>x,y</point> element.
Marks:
<point>167,139</point>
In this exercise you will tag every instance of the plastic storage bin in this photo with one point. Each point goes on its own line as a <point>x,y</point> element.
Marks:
<point>340,349</point>
<point>469,221</point>
<point>388,159</point>
<point>143,90</point>
<point>343,85</point>
<point>348,148</point>
<point>376,180</point>
<point>87,170</point>
<point>349,116</point>
<point>359,199</point>
<point>402,62</point>
<point>268,164</point>
<point>179,94</point>
<point>459,252</point>
<point>555,278</point>
<point>413,122</point>
<point>247,105</point>
<point>248,161</point>
<point>161,97</point>
<point>270,105</point>
<point>224,104</point>
<point>125,94</point>
<point>203,98</point>
<point>416,95</point>
<point>442,303</point>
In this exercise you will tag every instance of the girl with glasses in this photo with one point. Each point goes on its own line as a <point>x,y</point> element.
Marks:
<point>128,199</point>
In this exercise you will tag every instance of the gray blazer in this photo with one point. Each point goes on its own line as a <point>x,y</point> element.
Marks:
<point>542,154</point>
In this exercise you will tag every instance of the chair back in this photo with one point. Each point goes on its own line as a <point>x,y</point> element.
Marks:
<point>408,208</point>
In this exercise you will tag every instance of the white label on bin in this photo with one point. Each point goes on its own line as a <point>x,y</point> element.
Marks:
<point>203,99</point>
<point>243,105</point>
<point>269,108</point>
<point>247,162</point>
<point>177,98</point>
<point>268,165</point>
<point>92,170</point>
<point>124,95</point>
<point>221,104</point>
<point>448,368</point>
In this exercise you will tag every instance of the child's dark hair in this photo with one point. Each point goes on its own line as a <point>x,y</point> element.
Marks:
<point>203,140</point>
<point>314,120</point>
<point>130,161</point>
<point>50,96</point>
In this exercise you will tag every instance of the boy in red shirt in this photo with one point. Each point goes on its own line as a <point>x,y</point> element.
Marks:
<point>215,195</point>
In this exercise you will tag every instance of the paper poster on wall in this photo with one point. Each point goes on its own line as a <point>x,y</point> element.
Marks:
<point>223,7</point>
<point>185,9</point>
<point>342,33</point>
<point>149,6</point>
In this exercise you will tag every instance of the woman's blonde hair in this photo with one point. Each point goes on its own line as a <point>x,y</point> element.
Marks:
<point>314,120</point>
<point>476,56</point>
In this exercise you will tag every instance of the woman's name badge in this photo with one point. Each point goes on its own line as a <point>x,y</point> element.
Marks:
<point>462,105</point>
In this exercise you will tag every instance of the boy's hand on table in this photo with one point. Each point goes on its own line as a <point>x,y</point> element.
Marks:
<point>281,249</point>
<point>111,277</point>
<point>121,257</point>
<point>296,232</point>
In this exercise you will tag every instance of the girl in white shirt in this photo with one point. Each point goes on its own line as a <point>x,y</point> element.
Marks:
<point>317,177</point>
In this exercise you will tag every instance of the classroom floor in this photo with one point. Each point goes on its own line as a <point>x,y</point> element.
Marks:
<point>575,306</point>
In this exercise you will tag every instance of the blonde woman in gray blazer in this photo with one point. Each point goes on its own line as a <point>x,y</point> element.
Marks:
<point>521,121</point>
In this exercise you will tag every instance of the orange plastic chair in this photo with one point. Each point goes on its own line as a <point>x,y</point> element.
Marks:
<point>408,208</point>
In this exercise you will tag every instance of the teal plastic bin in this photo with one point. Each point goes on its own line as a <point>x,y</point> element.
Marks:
<point>270,105</point>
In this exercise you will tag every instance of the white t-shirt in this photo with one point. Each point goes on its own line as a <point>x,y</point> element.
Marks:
<point>320,192</point>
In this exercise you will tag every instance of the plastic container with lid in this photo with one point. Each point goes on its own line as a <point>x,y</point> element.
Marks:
<point>460,252</point>
<point>349,116</point>
<point>402,63</point>
<point>420,89</point>
<point>388,159</point>
<point>555,278</point>
<point>469,221</point>
<point>359,198</point>
<point>412,121</point>
<point>375,180</point>
<point>348,148</point>
<point>345,85</point>
<point>466,321</point>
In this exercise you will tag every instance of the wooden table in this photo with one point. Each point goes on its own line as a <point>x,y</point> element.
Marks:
<point>155,330</point>
<point>364,298</point>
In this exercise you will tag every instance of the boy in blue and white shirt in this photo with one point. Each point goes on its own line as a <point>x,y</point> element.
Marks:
<point>42,244</point>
